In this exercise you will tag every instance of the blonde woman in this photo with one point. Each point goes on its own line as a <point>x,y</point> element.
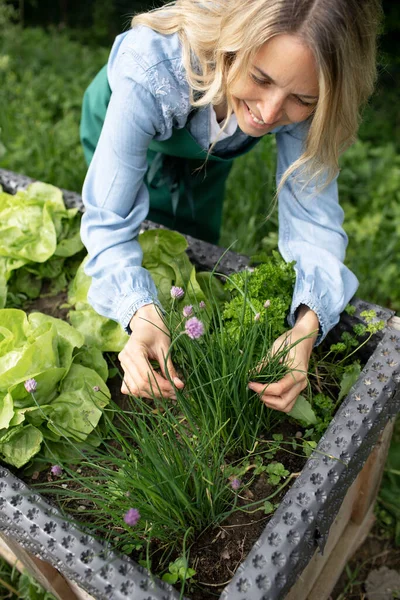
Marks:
<point>203,81</point>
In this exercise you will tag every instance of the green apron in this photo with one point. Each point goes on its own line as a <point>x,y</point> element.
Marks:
<point>186,190</point>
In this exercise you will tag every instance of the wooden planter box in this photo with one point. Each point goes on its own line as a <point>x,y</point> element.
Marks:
<point>303,549</point>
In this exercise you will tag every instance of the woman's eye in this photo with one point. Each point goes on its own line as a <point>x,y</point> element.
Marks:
<point>259,81</point>
<point>303,103</point>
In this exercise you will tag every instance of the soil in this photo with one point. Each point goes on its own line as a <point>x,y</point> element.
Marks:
<point>218,552</point>
<point>54,306</point>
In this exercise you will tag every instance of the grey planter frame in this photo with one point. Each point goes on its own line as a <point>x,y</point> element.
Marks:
<point>299,526</point>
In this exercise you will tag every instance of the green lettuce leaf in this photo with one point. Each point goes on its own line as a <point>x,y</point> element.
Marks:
<point>98,331</point>
<point>79,286</point>
<point>20,444</point>
<point>6,410</point>
<point>303,412</point>
<point>78,408</point>
<point>92,358</point>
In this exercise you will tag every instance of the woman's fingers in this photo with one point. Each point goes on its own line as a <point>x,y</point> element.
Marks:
<point>140,379</point>
<point>281,395</point>
<point>168,369</point>
<point>285,402</point>
<point>149,340</point>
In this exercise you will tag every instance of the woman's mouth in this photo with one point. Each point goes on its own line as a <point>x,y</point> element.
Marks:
<point>253,116</point>
<point>255,121</point>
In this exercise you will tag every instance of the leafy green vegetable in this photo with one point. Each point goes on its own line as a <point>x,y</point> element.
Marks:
<point>164,255</point>
<point>303,412</point>
<point>64,404</point>
<point>34,227</point>
<point>270,283</point>
<point>178,571</point>
<point>276,471</point>
<point>98,331</point>
<point>20,444</point>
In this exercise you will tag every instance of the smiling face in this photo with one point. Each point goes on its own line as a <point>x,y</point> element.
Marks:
<point>281,87</point>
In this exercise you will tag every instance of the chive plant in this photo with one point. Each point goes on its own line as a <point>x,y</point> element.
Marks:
<point>164,471</point>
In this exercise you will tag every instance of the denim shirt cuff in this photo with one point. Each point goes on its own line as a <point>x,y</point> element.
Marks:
<point>326,319</point>
<point>130,302</point>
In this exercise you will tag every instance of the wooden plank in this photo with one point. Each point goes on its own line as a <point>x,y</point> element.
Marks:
<point>369,479</point>
<point>394,322</point>
<point>80,593</point>
<point>9,556</point>
<point>352,538</point>
<point>353,522</point>
<point>48,577</point>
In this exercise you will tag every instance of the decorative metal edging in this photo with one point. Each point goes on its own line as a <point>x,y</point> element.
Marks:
<point>28,519</point>
<point>300,524</point>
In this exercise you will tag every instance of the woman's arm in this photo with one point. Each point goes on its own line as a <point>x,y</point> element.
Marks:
<point>310,233</point>
<point>116,202</point>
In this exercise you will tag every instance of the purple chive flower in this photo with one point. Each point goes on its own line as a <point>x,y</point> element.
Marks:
<point>132,517</point>
<point>187,310</point>
<point>267,303</point>
<point>176,292</point>
<point>235,484</point>
<point>202,304</point>
<point>96,388</point>
<point>30,385</point>
<point>56,470</point>
<point>257,317</point>
<point>194,328</point>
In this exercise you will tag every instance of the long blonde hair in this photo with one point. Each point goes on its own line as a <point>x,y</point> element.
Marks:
<point>221,37</point>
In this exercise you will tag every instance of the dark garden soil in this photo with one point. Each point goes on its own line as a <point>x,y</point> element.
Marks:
<point>54,306</point>
<point>218,552</point>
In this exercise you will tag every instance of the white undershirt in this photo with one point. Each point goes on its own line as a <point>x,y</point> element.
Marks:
<point>216,127</point>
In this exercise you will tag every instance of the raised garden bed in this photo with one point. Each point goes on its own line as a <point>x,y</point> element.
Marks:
<point>300,525</point>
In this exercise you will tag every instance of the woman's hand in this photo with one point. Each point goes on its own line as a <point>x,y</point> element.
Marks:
<point>149,340</point>
<point>283,394</point>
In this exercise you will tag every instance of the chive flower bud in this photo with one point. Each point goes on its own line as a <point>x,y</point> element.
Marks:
<point>132,517</point>
<point>194,328</point>
<point>30,385</point>
<point>56,470</point>
<point>187,310</point>
<point>176,292</point>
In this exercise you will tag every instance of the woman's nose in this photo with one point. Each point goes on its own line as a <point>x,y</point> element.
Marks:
<point>271,108</point>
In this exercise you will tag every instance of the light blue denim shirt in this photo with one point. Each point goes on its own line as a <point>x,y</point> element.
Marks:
<point>150,97</point>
